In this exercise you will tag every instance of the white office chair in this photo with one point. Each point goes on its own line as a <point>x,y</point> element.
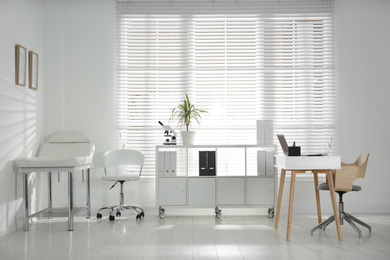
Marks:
<point>115,159</point>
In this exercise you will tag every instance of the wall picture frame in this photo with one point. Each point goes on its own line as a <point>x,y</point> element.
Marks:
<point>20,65</point>
<point>33,70</point>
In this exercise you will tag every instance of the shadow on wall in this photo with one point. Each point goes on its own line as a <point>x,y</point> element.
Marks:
<point>18,126</point>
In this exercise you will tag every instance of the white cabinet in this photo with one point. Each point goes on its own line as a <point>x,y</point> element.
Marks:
<point>237,182</point>
<point>172,191</point>
<point>201,191</point>
<point>231,191</point>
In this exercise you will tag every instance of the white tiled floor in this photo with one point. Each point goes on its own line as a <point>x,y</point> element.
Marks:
<point>195,237</point>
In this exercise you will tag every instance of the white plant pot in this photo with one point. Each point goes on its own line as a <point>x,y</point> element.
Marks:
<point>188,137</point>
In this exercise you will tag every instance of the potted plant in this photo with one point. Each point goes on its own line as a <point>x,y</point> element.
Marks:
<point>186,112</point>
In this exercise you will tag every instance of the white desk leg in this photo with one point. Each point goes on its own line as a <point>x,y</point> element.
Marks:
<point>70,201</point>
<point>291,204</point>
<point>280,195</point>
<point>334,203</point>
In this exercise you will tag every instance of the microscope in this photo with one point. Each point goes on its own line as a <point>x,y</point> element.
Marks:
<point>169,134</point>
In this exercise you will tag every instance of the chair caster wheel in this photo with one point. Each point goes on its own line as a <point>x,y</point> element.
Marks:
<point>112,218</point>
<point>118,214</point>
<point>142,214</point>
<point>98,216</point>
<point>138,217</point>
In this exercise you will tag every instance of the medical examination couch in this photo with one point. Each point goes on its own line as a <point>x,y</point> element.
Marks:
<point>65,151</point>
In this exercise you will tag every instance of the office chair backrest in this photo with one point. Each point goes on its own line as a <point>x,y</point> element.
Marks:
<point>362,162</point>
<point>123,157</point>
<point>345,176</point>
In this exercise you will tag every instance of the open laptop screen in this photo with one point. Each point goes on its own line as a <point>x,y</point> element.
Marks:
<point>283,143</point>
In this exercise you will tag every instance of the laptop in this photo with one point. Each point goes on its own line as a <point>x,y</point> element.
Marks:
<point>283,143</point>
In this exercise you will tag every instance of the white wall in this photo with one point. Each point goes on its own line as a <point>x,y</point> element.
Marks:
<point>55,65</point>
<point>21,109</point>
<point>363,92</point>
<point>76,44</point>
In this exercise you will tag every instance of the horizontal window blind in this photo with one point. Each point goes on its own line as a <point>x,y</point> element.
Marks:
<point>239,60</point>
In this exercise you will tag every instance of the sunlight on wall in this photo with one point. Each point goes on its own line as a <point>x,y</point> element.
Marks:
<point>18,139</point>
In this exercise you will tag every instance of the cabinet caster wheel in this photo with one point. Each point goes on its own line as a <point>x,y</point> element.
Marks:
<point>98,216</point>
<point>218,212</point>
<point>118,214</point>
<point>112,218</point>
<point>161,212</point>
<point>271,212</point>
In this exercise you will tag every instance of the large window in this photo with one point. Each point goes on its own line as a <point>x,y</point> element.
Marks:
<point>239,60</point>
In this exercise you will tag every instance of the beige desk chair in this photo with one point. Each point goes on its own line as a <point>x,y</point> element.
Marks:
<point>111,161</point>
<point>344,179</point>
